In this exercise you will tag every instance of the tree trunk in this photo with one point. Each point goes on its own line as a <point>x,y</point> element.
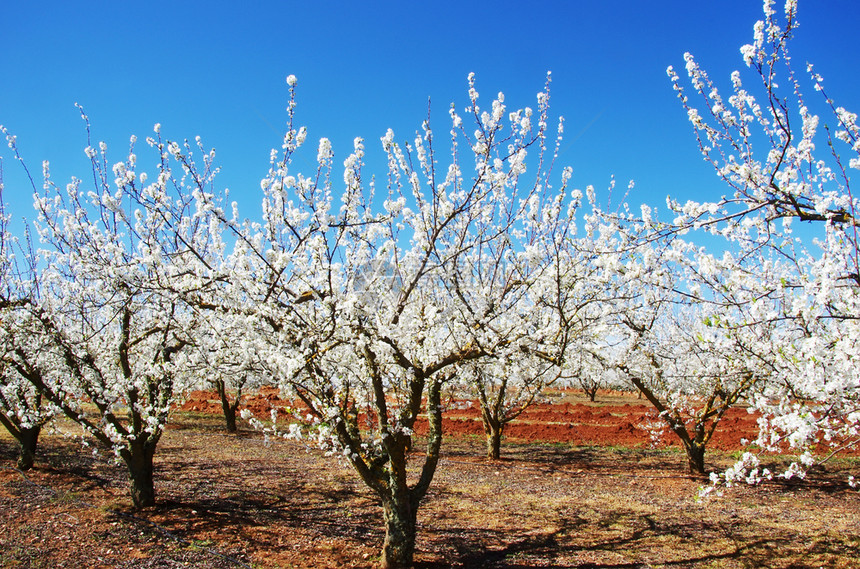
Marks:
<point>230,418</point>
<point>27,442</point>
<point>493,428</point>
<point>139,461</point>
<point>696,457</point>
<point>229,410</point>
<point>494,440</point>
<point>228,407</point>
<point>400,530</point>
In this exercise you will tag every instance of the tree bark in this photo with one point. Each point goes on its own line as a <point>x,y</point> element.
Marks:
<point>400,531</point>
<point>27,442</point>
<point>493,423</point>
<point>138,458</point>
<point>229,418</point>
<point>229,408</point>
<point>696,457</point>
<point>494,440</point>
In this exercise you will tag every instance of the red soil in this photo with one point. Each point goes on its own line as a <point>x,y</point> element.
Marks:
<point>577,423</point>
<point>605,425</point>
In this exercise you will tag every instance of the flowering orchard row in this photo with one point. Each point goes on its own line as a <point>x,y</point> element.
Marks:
<point>470,262</point>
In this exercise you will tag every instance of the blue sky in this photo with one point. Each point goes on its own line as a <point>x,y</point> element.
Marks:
<point>218,69</point>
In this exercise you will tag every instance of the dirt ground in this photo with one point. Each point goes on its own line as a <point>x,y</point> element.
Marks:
<point>615,419</point>
<point>230,501</point>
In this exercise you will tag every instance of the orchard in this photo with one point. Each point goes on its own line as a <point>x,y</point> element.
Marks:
<point>470,269</point>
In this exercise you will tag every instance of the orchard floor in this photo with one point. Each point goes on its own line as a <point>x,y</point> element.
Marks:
<point>235,501</point>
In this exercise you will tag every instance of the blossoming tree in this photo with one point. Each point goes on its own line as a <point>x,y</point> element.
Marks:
<point>766,143</point>
<point>22,411</point>
<point>563,313</point>
<point>223,356</point>
<point>103,305</point>
<point>364,312</point>
<point>681,338</point>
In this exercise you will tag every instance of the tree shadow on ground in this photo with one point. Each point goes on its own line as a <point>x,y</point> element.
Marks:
<point>209,502</point>
<point>558,459</point>
<point>469,547</point>
<point>551,459</point>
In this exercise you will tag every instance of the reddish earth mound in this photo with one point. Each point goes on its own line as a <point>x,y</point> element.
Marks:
<point>260,404</point>
<point>624,425</point>
<point>577,423</point>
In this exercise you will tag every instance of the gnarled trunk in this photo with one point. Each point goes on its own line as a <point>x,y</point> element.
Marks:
<point>229,418</point>
<point>493,430</point>
<point>400,531</point>
<point>228,407</point>
<point>138,458</point>
<point>27,441</point>
<point>696,457</point>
